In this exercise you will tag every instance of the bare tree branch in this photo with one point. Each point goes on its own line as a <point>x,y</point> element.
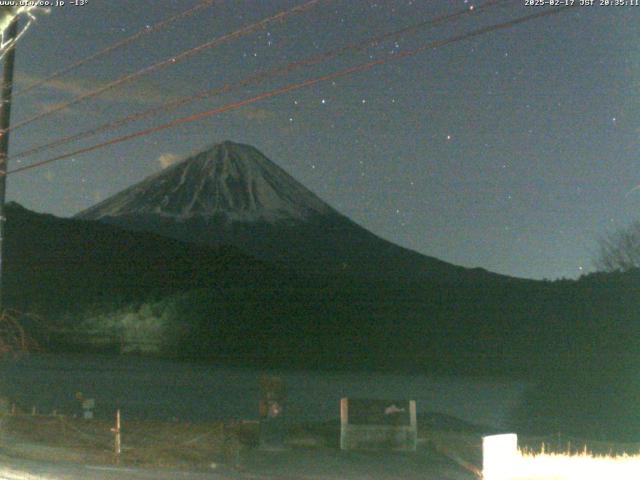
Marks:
<point>620,251</point>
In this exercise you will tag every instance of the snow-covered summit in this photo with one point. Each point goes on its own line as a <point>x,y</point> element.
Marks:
<point>229,180</point>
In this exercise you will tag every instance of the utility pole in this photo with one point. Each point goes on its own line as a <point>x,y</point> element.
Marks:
<point>5,118</point>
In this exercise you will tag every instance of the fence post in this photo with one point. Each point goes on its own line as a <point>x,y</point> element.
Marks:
<point>344,422</point>
<point>117,444</point>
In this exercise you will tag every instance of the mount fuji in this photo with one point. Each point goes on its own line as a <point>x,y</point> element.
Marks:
<point>231,194</point>
<point>229,183</point>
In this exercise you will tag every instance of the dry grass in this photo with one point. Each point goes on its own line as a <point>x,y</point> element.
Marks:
<point>610,464</point>
<point>148,444</point>
<point>183,445</point>
<point>585,466</point>
<point>508,462</point>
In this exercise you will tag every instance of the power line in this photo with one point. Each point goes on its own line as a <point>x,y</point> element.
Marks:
<point>258,77</point>
<point>296,86</point>
<point>170,61</point>
<point>122,43</point>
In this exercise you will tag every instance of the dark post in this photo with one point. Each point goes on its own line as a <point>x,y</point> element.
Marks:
<point>5,117</point>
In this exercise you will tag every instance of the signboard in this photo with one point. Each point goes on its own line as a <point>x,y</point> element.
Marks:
<point>379,412</point>
<point>378,424</point>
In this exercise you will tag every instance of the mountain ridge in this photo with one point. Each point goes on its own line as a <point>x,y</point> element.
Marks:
<point>228,179</point>
<point>233,194</point>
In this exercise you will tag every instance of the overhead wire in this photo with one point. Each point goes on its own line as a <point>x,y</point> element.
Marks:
<point>169,61</point>
<point>296,86</point>
<point>122,43</point>
<point>257,78</point>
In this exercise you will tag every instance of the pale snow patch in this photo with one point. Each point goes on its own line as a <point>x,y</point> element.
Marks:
<point>167,159</point>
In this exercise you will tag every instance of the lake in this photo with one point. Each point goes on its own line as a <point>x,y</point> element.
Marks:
<point>154,389</point>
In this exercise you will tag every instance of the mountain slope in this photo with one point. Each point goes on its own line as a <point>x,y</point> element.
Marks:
<point>234,182</point>
<point>64,262</point>
<point>232,194</point>
<point>231,307</point>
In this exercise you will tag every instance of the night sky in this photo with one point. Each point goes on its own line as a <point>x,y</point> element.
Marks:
<point>512,151</point>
